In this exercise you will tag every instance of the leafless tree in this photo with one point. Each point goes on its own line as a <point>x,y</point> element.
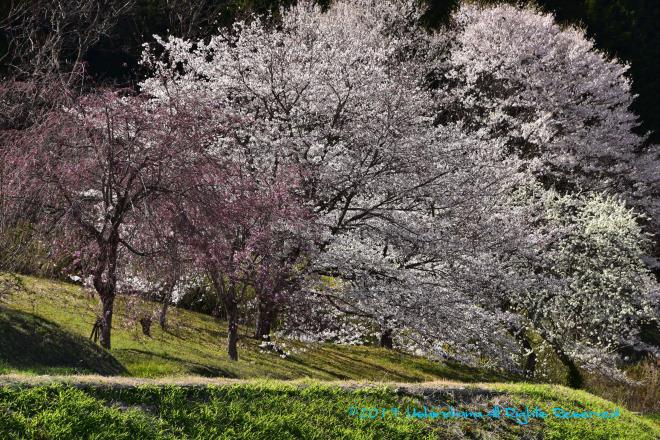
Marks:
<point>47,36</point>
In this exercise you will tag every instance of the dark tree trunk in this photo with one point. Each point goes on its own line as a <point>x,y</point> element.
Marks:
<point>145,323</point>
<point>530,360</point>
<point>386,340</point>
<point>266,315</point>
<point>162,317</point>
<point>529,363</point>
<point>106,285</point>
<point>387,333</point>
<point>262,331</point>
<point>575,379</point>
<point>172,282</point>
<point>106,320</point>
<point>227,295</point>
<point>232,323</point>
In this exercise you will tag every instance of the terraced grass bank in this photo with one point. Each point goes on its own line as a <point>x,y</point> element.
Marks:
<point>279,410</point>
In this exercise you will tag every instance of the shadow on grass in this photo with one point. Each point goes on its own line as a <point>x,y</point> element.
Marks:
<point>192,367</point>
<point>446,369</point>
<point>381,364</point>
<point>28,342</point>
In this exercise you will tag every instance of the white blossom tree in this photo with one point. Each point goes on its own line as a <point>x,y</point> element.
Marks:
<point>581,283</point>
<point>513,73</point>
<point>413,184</point>
<point>342,94</point>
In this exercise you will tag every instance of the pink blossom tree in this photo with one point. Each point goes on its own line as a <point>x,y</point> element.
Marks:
<point>246,230</point>
<point>99,167</point>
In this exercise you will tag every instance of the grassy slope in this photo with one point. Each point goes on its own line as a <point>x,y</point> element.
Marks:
<point>45,326</point>
<point>311,410</point>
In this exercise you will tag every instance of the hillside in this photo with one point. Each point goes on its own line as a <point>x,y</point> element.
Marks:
<point>56,384</point>
<point>45,327</point>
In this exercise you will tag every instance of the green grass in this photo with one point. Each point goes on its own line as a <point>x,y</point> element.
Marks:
<point>277,410</point>
<point>45,327</point>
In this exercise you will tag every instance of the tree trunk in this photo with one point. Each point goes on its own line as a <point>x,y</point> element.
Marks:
<point>575,379</point>
<point>386,333</point>
<point>106,320</point>
<point>530,360</point>
<point>171,284</point>
<point>262,331</point>
<point>266,315</point>
<point>232,323</point>
<point>386,340</point>
<point>106,285</point>
<point>145,323</point>
<point>162,317</point>
<point>227,295</point>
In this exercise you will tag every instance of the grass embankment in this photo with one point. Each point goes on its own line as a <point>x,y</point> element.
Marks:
<point>45,327</point>
<point>311,410</point>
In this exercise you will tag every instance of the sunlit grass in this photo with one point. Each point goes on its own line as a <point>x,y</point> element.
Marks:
<point>45,328</point>
<point>193,345</point>
<point>267,409</point>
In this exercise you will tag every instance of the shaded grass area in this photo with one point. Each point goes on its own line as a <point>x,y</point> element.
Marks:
<point>46,325</point>
<point>32,343</point>
<point>309,410</point>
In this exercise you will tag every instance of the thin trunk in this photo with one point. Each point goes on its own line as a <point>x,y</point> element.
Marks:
<point>228,297</point>
<point>529,363</point>
<point>145,323</point>
<point>262,331</point>
<point>162,317</point>
<point>387,333</point>
<point>575,379</point>
<point>530,360</point>
<point>172,281</point>
<point>167,299</point>
<point>106,321</point>
<point>232,323</point>
<point>266,315</point>
<point>386,340</point>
